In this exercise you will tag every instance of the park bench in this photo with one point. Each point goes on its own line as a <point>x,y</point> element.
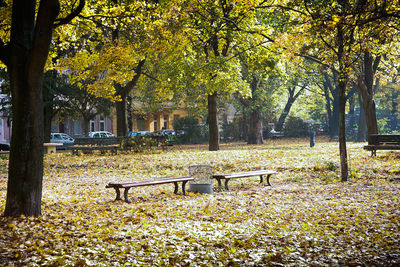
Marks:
<point>51,147</point>
<point>227,177</point>
<point>167,180</point>
<point>382,142</point>
<point>87,144</point>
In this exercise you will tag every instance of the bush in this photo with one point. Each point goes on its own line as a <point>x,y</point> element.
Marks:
<point>142,143</point>
<point>295,127</point>
<point>230,131</point>
<point>188,130</point>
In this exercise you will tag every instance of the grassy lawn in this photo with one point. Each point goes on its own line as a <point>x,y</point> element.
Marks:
<point>308,217</point>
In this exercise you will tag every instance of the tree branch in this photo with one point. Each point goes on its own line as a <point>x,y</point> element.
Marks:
<point>71,16</point>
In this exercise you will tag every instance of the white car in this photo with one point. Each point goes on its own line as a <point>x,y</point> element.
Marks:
<point>62,138</point>
<point>100,134</point>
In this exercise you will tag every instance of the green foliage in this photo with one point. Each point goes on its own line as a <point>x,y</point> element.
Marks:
<point>295,127</point>
<point>188,130</point>
<point>142,143</point>
<point>230,131</point>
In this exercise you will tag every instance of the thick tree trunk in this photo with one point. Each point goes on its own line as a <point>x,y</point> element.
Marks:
<point>213,123</point>
<point>120,107</point>
<point>29,48</point>
<point>123,92</point>
<point>86,123</point>
<point>362,124</point>
<point>365,83</point>
<point>255,128</point>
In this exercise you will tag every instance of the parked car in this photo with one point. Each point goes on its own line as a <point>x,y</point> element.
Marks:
<point>140,133</point>
<point>62,138</point>
<point>166,132</point>
<point>4,147</point>
<point>100,134</point>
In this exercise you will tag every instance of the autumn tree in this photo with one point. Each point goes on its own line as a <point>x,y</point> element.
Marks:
<point>344,29</point>
<point>298,79</point>
<point>218,32</point>
<point>24,51</point>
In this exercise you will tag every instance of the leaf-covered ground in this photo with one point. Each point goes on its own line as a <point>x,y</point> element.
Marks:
<point>307,217</point>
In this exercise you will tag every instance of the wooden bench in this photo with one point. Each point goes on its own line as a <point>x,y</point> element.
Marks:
<point>102,144</point>
<point>382,142</point>
<point>167,180</point>
<point>227,177</point>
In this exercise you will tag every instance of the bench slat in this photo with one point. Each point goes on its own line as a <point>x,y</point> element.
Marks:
<point>243,174</point>
<point>127,186</point>
<point>227,177</point>
<point>382,142</point>
<point>151,182</point>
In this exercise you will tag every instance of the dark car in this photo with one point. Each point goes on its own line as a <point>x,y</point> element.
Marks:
<point>4,147</point>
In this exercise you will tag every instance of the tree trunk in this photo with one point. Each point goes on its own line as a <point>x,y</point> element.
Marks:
<point>362,124</point>
<point>342,84</point>
<point>29,48</point>
<point>120,107</point>
<point>334,123</point>
<point>328,101</point>
<point>255,128</point>
<point>365,86</point>
<point>213,123</point>
<point>86,122</point>
<point>333,107</point>
<point>284,114</point>
<point>123,92</point>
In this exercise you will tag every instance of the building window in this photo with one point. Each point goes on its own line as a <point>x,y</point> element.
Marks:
<point>155,124</point>
<point>92,126</point>
<point>102,124</point>
<point>166,117</point>
<point>140,123</point>
<point>77,128</point>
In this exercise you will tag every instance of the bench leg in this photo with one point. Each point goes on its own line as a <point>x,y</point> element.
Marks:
<point>226,184</point>
<point>176,188</point>
<point>118,197</point>
<point>126,195</point>
<point>262,180</point>
<point>373,153</point>
<point>268,183</point>
<point>183,187</point>
<point>219,183</point>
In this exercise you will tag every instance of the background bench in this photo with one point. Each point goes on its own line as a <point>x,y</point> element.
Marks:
<point>227,177</point>
<point>127,186</point>
<point>382,142</point>
<point>102,144</point>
